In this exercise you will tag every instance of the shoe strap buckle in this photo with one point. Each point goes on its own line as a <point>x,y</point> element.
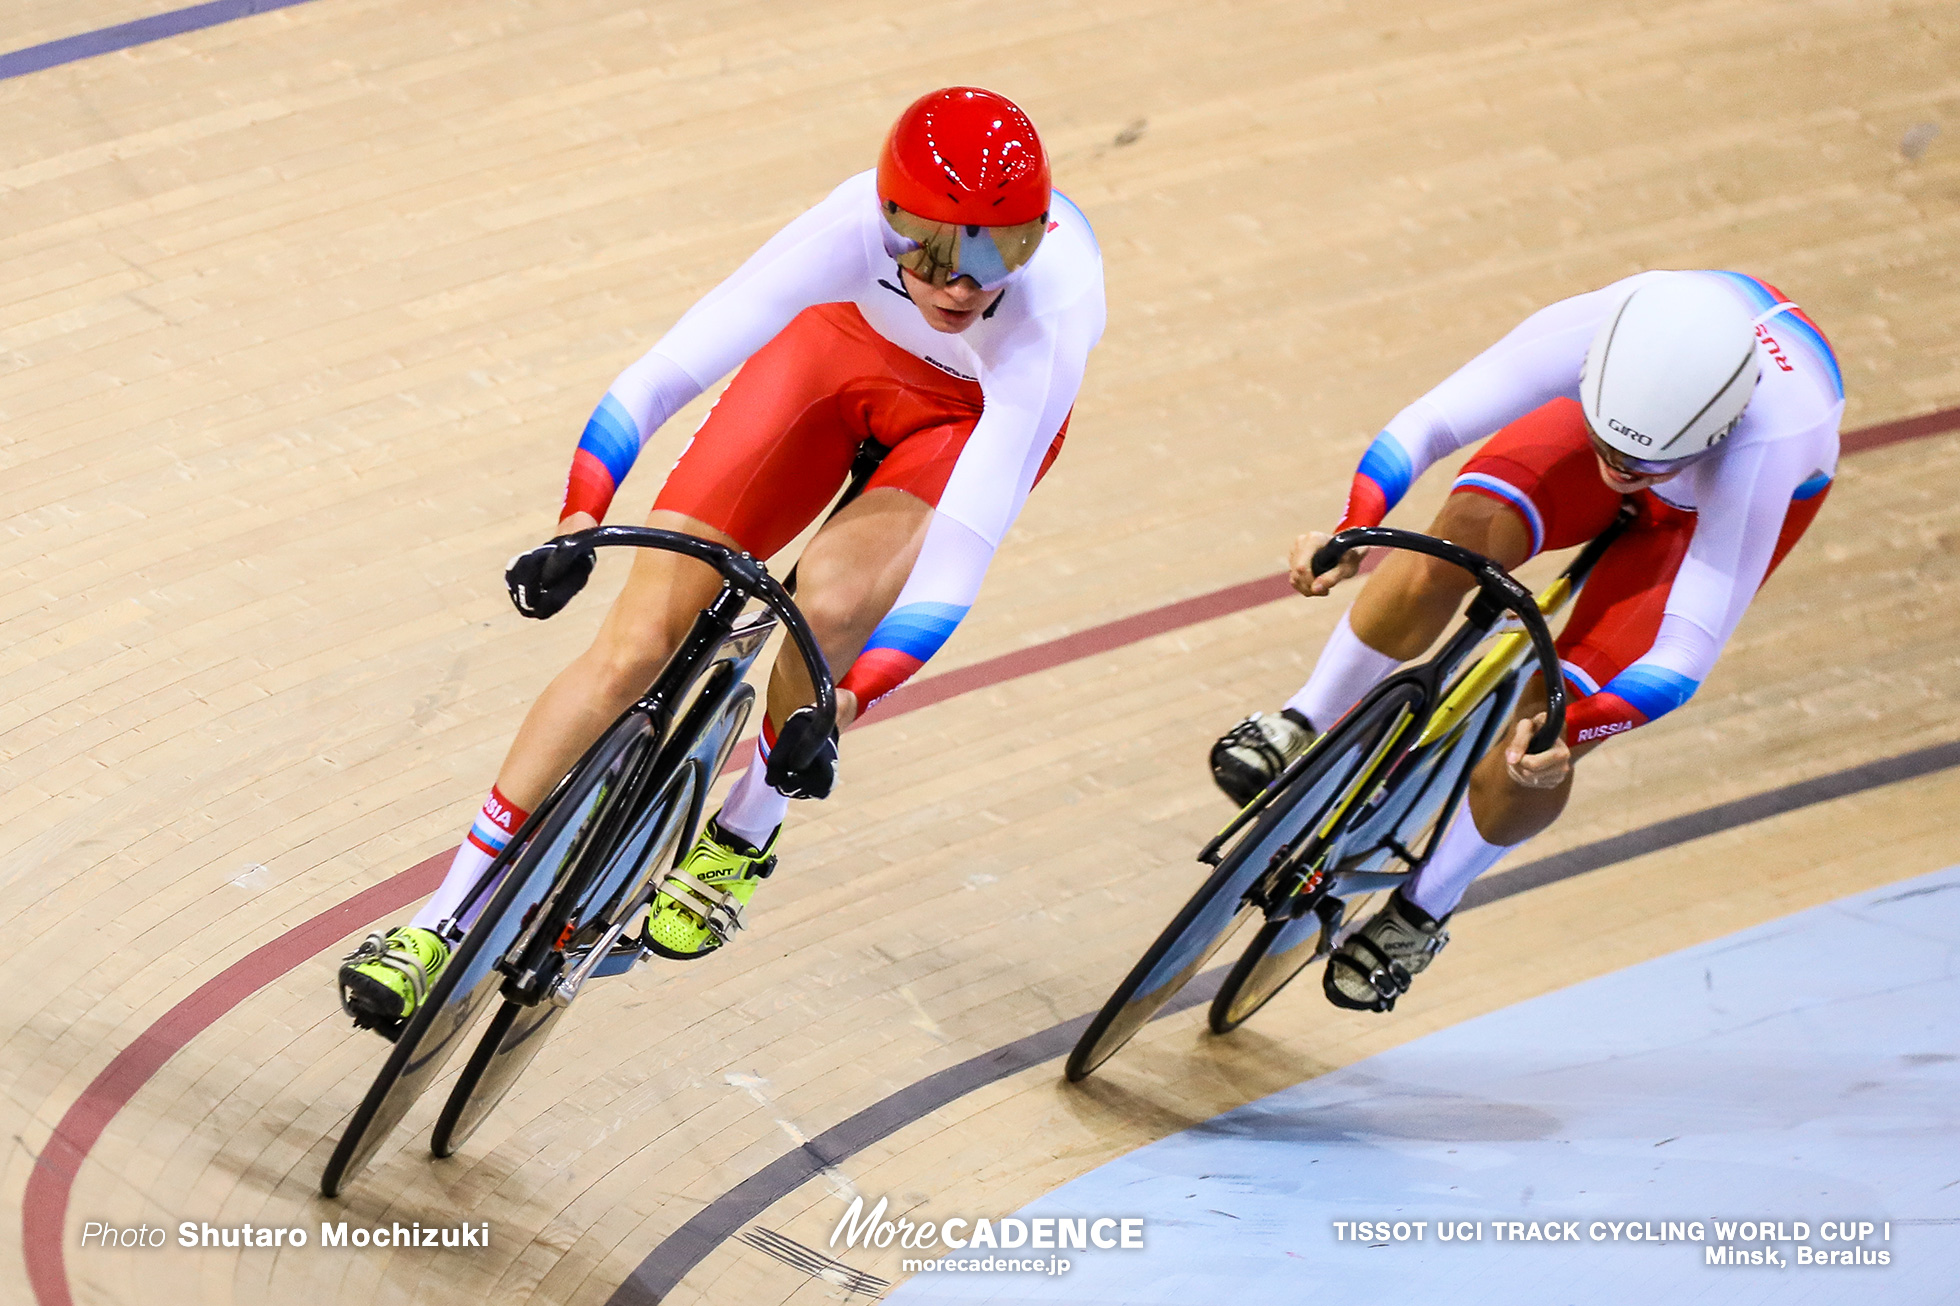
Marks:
<point>717,909</point>
<point>375,947</point>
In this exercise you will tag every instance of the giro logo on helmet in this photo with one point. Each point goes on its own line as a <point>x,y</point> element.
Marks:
<point>1628,431</point>
<point>963,187</point>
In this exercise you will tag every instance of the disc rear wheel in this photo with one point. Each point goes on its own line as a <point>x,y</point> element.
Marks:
<point>517,1032</point>
<point>1281,950</point>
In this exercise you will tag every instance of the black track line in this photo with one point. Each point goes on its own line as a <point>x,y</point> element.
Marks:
<point>690,1244</point>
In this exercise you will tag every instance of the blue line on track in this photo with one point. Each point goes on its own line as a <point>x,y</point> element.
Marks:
<point>141,31</point>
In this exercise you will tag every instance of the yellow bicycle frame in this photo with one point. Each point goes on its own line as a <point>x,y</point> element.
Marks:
<point>1506,653</point>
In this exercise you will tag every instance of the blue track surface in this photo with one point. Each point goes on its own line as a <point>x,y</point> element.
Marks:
<point>1807,1070</point>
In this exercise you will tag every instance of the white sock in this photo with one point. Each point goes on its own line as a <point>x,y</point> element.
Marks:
<point>1463,855</point>
<point>1347,669</point>
<point>754,809</point>
<point>491,830</point>
<point>463,871</point>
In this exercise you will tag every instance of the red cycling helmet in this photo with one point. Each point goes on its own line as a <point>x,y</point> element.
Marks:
<point>963,186</point>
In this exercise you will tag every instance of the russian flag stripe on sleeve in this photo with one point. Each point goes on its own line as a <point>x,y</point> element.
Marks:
<point>1761,296</point>
<point>1632,698</point>
<point>1387,464</point>
<point>609,436</point>
<point>1379,483</point>
<point>1651,691</point>
<point>899,647</point>
<point>917,629</point>
<point>606,452</point>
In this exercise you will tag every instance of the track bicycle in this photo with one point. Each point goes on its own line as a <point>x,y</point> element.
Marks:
<point>1362,809</point>
<point>556,908</point>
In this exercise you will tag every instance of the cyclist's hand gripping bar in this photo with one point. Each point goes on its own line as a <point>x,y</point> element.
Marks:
<point>573,555</point>
<point>543,580</point>
<point>1496,585</point>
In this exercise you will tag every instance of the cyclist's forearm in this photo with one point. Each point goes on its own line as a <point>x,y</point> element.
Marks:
<point>936,597</point>
<point>638,403</point>
<point>1413,440</point>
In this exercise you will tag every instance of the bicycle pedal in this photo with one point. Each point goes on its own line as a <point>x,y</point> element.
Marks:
<point>382,1025</point>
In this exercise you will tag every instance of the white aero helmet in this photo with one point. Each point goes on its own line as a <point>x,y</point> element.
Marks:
<point>1669,373</point>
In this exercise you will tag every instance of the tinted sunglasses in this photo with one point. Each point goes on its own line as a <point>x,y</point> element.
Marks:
<point>942,252</point>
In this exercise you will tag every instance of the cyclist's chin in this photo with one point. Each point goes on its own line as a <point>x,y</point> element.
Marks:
<point>948,321</point>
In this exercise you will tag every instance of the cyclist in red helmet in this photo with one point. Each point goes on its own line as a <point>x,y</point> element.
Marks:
<point>907,308</point>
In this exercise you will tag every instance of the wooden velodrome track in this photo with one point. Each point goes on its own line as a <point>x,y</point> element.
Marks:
<point>303,313</point>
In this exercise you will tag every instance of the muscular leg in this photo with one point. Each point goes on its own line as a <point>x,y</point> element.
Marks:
<point>646,624</point>
<point>1500,815</point>
<point>847,580</point>
<point>1411,598</point>
<point>1505,811</point>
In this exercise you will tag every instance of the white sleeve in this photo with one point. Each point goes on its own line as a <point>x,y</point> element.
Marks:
<point>937,595</point>
<point>1029,392</point>
<point>1537,361</point>
<point>816,259</point>
<point>652,389</point>
<point>1742,498</point>
<point>819,258</point>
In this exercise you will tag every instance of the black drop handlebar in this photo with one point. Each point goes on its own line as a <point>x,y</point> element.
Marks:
<point>1496,585</point>
<point>748,576</point>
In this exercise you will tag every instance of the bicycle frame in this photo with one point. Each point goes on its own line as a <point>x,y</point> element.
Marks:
<point>1383,776</point>
<point>714,628</point>
<point>1302,864</point>
<point>525,896</point>
<point>718,655</point>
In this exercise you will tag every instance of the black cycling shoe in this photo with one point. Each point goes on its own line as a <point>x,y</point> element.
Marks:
<point>1250,755</point>
<point>1376,964</point>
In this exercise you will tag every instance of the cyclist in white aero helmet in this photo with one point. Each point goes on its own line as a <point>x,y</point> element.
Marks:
<point>1668,375</point>
<point>1709,401</point>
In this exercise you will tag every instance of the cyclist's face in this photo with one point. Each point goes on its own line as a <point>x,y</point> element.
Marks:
<point>951,308</point>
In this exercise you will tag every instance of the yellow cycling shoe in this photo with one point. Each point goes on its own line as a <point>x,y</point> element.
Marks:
<point>384,981</point>
<point>698,906</point>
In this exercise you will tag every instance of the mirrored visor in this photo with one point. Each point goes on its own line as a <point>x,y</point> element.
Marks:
<point>1628,465</point>
<point>940,252</point>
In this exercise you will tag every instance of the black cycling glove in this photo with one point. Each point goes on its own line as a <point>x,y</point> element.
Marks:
<point>543,581</point>
<point>803,763</point>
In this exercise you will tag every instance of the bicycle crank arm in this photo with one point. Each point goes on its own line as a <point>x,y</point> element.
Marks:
<point>573,980</point>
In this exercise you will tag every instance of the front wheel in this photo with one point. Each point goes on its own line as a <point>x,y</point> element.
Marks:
<point>1218,908</point>
<point>566,824</point>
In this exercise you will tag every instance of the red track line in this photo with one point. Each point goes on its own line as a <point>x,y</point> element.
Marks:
<point>45,1201</point>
